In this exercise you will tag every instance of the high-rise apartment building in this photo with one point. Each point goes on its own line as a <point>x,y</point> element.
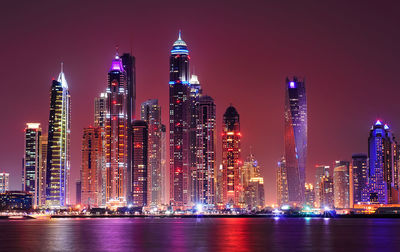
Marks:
<point>32,161</point>
<point>58,147</point>
<point>4,182</point>
<point>326,197</point>
<point>341,184</point>
<point>116,133</point>
<point>359,176</point>
<point>320,172</point>
<point>42,169</point>
<point>165,174</point>
<point>179,123</point>
<point>281,183</point>
<point>382,168</point>
<point>150,112</point>
<point>140,175</point>
<point>295,138</point>
<point>231,157</point>
<point>205,144</point>
<point>92,150</point>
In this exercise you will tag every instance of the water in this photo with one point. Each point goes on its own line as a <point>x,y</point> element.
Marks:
<point>219,234</point>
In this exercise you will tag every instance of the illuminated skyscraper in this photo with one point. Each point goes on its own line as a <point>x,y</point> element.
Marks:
<point>165,174</point>
<point>128,63</point>
<point>281,183</point>
<point>42,169</point>
<point>309,195</point>
<point>382,154</point>
<point>320,172</point>
<point>32,161</point>
<point>140,175</point>
<point>151,114</point>
<point>231,156</point>
<point>326,197</point>
<point>341,184</point>
<point>295,138</point>
<point>58,148</point>
<point>252,183</point>
<point>206,140</point>
<point>100,112</point>
<point>179,120</point>
<point>360,176</point>
<point>4,182</point>
<point>91,167</point>
<point>194,96</point>
<point>116,131</point>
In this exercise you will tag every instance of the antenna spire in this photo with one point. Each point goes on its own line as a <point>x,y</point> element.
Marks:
<point>179,36</point>
<point>62,67</point>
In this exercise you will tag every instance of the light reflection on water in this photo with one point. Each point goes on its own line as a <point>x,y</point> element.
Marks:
<point>201,234</point>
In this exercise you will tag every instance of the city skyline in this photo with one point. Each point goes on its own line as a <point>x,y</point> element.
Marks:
<point>359,127</point>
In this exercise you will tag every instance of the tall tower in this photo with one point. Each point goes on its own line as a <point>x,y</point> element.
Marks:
<point>381,186</point>
<point>360,176</point>
<point>58,148</point>
<point>100,112</point>
<point>179,119</point>
<point>341,184</point>
<point>281,183</point>
<point>231,156</point>
<point>320,172</point>
<point>91,167</point>
<point>128,62</point>
<point>140,174</point>
<point>42,169</point>
<point>194,117</point>
<point>116,131</point>
<point>4,182</point>
<point>150,112</point>
<point>32,161</point>
<point>295,138</point>
<point>206,140</point>
<point>165,174</point>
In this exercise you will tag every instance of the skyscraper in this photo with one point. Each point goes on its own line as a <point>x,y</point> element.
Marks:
<point>252,183</point>
<point>32,161</point>
<point>165,174</point>
<point>360,176</point>
<point>58,148</point>
<point>281,183</point>
<point>382,156</point>
<point>326,197</point>
<point>116,131</point>
<point>341,184</point>
<point>231,156</point>
<point>151,113</point>
<point>194,96</point>
<point>100,113</point>
<point>91,167</point>
<point>140,175</point>
<point>295,138</point>
<point>42,169</point>
<point>320,172</point>
<point>128,63</point>
<point>309,195</point>
<point>100,110</point>
<point>4,182</point>
<point>205,163</point>
<point>179,120</point>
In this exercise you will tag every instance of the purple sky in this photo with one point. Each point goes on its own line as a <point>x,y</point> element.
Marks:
<point>241,50</point>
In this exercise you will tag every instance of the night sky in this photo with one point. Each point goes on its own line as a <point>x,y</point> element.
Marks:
<point>242,52</point>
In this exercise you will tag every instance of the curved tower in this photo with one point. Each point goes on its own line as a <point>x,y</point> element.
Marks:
<point>179,91</point>
<point>231,156</point>
<point>295,139</point>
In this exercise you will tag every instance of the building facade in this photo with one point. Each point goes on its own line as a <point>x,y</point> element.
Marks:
<point>326,197</point>
<point>295,138</point>
<point>231,137</point>
<point>320,172</point>
<point>58,147</point>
